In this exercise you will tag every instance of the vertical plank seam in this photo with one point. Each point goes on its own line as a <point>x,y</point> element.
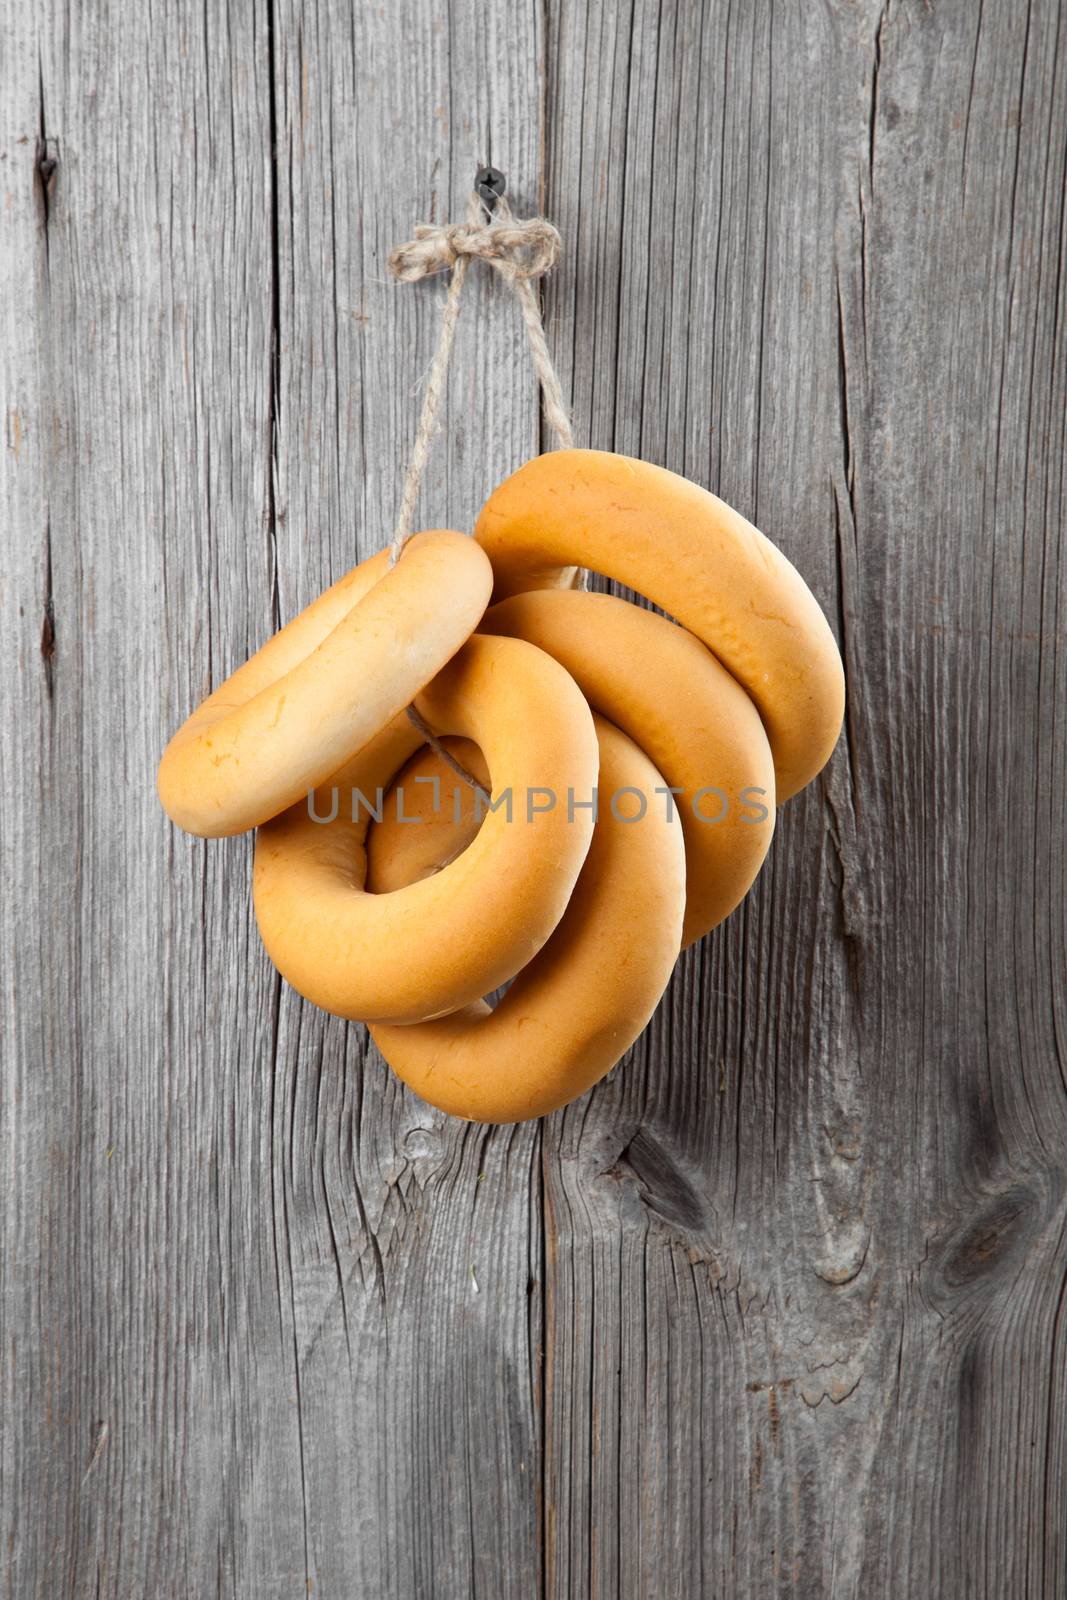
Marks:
<point>271,517</point>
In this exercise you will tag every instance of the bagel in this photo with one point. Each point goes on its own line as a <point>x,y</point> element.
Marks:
<point>324,686</point>
<point>438,944</point>
<point>699,561</point>
<point>698,727</point>
<point>579,1005</point>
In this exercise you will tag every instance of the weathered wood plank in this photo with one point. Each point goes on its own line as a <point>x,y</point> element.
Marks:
<point>137,1182</point>
<point>411,1244</point>
<point>32,1392</point>
<point>777,1309</point>
<point>806,1248</point>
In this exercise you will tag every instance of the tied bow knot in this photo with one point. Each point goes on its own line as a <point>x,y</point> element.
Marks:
<point>517,250</point>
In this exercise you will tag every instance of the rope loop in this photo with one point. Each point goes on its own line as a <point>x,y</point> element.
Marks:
<point>520,251</point>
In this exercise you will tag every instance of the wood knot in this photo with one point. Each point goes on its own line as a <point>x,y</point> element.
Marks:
<point>46,161</point>
<point>666,1192</point>
<point>992,1242</point>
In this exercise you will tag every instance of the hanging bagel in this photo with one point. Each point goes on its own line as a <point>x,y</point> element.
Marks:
<point>439,944</point>
<point>698,727</point>
<point>410,923</point>
<point>323,686</point>
<point>697,559</point>
<point>579,1005</point>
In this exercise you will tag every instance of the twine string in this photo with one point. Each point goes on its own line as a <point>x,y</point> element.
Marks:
<point>520,251</point>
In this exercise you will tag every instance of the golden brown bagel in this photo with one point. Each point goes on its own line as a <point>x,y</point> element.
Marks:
<point>438,944</point>
<point>579,1005</point>
<point>324,685</point>
<point>697,726</point>
<point>697,559</point>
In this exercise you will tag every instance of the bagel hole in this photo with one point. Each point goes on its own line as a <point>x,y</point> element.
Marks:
<point>494,999</point>
<point>429,817</point>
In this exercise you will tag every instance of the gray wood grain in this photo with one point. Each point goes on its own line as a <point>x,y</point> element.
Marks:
<point>778,1308</point>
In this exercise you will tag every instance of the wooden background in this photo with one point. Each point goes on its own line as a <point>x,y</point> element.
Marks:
<point>779,1308</point>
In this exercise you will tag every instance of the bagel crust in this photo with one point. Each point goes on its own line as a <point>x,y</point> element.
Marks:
<point>324,686</point>
<point>696,558</point>
<point>698,727</point>
<point>579,1005</point>
<point>438,944</point>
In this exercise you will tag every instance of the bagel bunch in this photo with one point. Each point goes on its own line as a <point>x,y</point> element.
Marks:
<point>629,769</point>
